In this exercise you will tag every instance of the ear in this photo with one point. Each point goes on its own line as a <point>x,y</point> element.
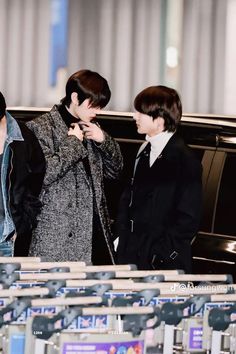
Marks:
<point>74,98</point>
<point>160,123</point>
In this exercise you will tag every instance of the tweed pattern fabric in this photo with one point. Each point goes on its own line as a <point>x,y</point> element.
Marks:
<point>64,228</point>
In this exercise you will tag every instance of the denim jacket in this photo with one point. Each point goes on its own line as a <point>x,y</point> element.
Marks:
<point>13,133</point>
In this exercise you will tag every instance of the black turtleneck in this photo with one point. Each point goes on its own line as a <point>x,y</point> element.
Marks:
<point>67,117</point>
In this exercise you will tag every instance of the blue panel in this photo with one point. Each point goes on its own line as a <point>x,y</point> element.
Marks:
<point>17,342</point>
<point>58,38</point>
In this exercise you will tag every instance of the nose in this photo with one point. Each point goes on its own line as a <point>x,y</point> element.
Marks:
<point>135,116</point>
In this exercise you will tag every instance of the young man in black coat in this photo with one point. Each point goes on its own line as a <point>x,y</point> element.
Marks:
<point>22,168</point>
<point>160,210</point>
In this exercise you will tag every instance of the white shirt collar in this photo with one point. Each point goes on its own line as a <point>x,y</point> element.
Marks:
<point>158,142</point>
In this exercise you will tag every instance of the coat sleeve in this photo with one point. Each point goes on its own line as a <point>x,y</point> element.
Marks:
<point>189,205</point>
<point>37,165</point>
<point>111,157</point>
<point>58,162</point>
<point>24,210</point>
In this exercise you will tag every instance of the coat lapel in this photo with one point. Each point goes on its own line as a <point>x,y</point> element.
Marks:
<point>164,166</point>
<point>95,168</point>
<point>60,132</point>
<point>59,127</point>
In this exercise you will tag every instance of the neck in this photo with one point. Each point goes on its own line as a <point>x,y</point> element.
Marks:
<point>70,110</point>
<point>156,132</point>
<point>3,132</point>
<point>3,123</point>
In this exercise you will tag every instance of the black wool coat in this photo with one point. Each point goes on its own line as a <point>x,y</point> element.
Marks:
<point>24,181</point>
<point>155,232</point>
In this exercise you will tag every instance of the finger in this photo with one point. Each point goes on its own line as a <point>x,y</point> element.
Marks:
<point>89,135</point>
<point>88,130</point>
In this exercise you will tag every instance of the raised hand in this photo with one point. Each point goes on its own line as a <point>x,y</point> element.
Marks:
<point>92,131</point>
<point>76,131</point>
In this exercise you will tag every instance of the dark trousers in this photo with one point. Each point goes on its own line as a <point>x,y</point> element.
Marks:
<point>22,245</point>
<point>100,252</point>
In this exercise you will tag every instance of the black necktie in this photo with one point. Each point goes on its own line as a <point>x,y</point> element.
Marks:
<point>143,164</point>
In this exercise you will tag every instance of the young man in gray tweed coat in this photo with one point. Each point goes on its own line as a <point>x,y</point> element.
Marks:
<point>74,222</point>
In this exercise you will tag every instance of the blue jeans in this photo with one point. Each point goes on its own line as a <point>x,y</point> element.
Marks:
<point>7,248</point>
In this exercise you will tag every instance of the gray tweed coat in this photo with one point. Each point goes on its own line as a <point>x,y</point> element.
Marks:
<point>64,229</point>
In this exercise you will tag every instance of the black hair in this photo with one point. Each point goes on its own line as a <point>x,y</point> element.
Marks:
<point>87,84</point>
<point>160,101</point>
<point>2,106</point>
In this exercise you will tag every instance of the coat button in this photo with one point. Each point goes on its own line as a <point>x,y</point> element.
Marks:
<point>70,234</point>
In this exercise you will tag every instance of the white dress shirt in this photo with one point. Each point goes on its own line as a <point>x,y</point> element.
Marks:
<point>158,142</point>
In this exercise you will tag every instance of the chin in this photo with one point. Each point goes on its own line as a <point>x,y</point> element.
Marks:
<point>140,131</point>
